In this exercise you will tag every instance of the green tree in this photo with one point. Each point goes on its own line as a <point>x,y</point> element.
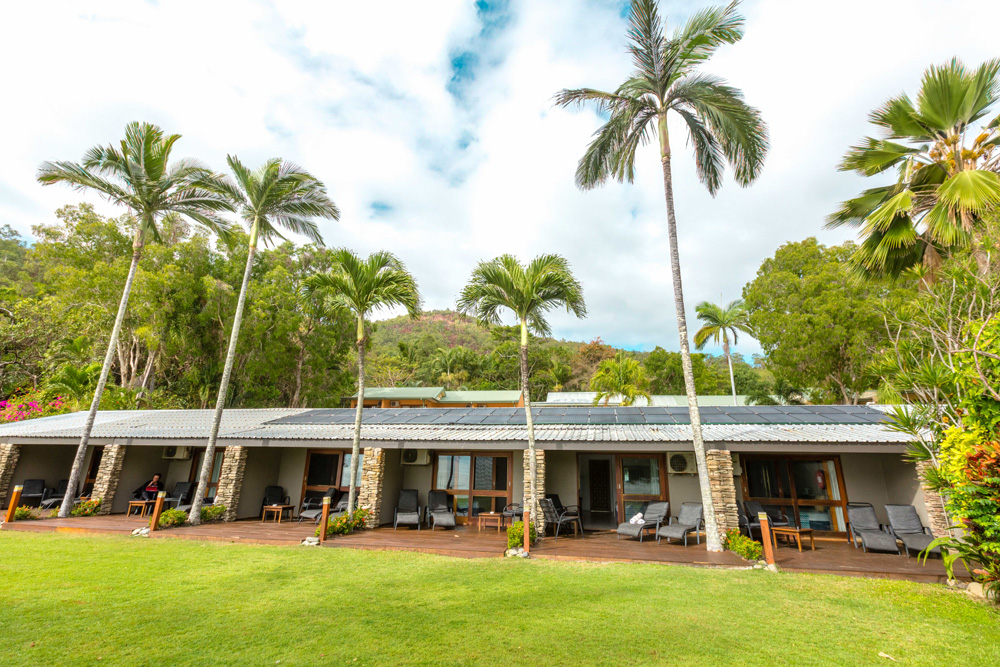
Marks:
<point>666,373</point>
<point>364,286</point>
<point>721,322</point>
<point>721,127</point>
<point>278,194</point>
<point>622,376</point>
<point>947,173</point>
<point>73,383</point>
<point>137,175</point>
<point>529,292</point>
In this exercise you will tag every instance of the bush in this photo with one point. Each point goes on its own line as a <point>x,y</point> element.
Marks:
<point>515,534</point>
<point>211,513</point>
<point>24,513</point>
<point>346,523</point>
<point>86,508</point>
<point>170,518</point>
<point>743,546</point>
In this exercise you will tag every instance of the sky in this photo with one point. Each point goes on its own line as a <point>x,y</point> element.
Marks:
<point>433,127</point>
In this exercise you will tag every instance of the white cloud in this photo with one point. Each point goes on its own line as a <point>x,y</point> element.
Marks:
<point>464,165</point>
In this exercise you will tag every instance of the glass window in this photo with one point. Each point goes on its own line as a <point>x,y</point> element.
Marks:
<point>453,472</point>
<point>816,517</point>
<point>491,473</point>
<point>767,479</point>
<point>487,504</point>
<point>345,475</point>
<point>462,506</point>
<point>322,470</point>
<point>641,476</point>
<point>812,481</point>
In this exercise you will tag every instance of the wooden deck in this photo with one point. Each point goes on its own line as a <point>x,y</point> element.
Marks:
<point>832,556</point>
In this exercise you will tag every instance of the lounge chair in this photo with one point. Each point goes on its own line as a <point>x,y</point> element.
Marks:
<point>181,495</point>
<point>653,518</point>
<point>559,519</point>
<point>312,508</point>
<point>407,512</point>
<point>905,526</point>
<point>439,512</point>
<point>690,521</point>
<point>55,498</point>
<point>864,527</point>
<point>34,491</point>
<point>512,513</point>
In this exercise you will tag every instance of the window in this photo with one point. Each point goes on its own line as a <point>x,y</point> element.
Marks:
<point>807,488</point>
<point>640,481</point>
<point>476,482</point>
<point>345,475</point>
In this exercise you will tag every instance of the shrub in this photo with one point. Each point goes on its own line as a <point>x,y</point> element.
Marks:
<point>170,518</point>
<point>86,508</point>
<point>515,534</point>
<point>31,405</point>
<point>211,513</point>
<point>743,546</point>
<point>346,523</point>
<point>24,513</point>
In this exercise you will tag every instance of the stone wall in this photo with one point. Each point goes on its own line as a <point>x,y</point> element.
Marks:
<point>539,486</point>
<point>109,473</point>
<point>8,461</point>
<point>936,515</point>
<point>370,491</point>
<point>720,479</point>
<point>234,465</point>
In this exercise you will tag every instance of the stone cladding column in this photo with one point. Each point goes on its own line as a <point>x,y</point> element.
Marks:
<point>234,465</point>
<point>109,473</point>
<point>370,491</point>
<point>720,479</point>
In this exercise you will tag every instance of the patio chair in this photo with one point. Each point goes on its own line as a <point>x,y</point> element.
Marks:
<point>274,495</point>
<point>775,515</point>
<point>654,516</point>
<point>864,526</point>
<point>34,491</point>
<point>181,495</point>
<point>511,514</point>
<point>559,519</point>
<point>905,526</point>
<point>312,508</point>
<point>55,498</point>
<point>690,521</point>
<point>439,512</point>
<point>560,508</point>
<point>407,512</point>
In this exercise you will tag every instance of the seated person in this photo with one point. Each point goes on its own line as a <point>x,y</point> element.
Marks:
<point>149,490</point>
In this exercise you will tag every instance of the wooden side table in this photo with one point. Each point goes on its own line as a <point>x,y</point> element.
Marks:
<point>141,505</point>
<point>490,519</point>
<point>797,533</point>
<point>277,510</point>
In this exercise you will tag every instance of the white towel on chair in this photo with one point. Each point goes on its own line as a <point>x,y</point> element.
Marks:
<point>637,519</point>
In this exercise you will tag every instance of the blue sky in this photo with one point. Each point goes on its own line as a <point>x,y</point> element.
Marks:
<point>432,125</point>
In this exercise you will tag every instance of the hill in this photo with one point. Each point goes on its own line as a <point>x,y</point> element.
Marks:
<point>451,328</point>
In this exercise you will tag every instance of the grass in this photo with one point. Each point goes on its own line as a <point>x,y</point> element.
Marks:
<point>117,600</point>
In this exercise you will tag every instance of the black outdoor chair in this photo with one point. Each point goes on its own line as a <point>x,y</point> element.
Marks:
<point>560,508</point>
<point>407,511</point>
<point>775,515</point>
<point>55,498</point>
<point>556,519</point>
<point>439,512</point>
<point>181,495</point>
<point>865,527</point>
<point>312,508</point>
<point>690,521</point>
<point>905,525</point>
<point>653,518</point>
<point>33,491</point>
<point>511,514</point>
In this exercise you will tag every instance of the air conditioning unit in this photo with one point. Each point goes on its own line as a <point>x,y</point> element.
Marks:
<point>393,404</point>
<point>176,453</point>
<point>682,463</point>
<point>737,466</point>
<point>416,457</point>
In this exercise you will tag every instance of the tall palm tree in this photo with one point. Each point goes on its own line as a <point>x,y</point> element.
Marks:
<point>364,286</point>
<point>622,376</point>
<point>277,194</point>
<point>947,173</point>
<point>721,126</point>
<point>529,292</point>
<point>719,323</point>
<point>138,175</point>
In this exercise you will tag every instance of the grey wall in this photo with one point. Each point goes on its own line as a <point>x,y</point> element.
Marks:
<point>138,467</point>
<point>291,472</point>
<point>261,471</point>
<point>882,478</point>
<point>561,476</point>
<point>48,462</point>
<point>392,482</point>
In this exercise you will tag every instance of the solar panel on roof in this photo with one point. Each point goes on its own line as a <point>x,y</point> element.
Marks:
<point>628,410</point>
<point>631,419</point>
<point>717,419</point>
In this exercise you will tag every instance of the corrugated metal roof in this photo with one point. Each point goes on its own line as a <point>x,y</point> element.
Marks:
<point>585,398</point>
<point>484,396</point>
<point>402,393</point>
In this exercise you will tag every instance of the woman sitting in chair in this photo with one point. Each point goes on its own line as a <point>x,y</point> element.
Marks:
<point>149,490</point>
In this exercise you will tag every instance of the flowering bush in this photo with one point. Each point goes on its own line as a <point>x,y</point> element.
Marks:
<point>86,508</point>
<point>31,406</point>
<point>170,518</point>
<point>515,534</point>
<point>24,513</point>
<point>346,523</point>
<point>211,513</point>
<point>742,546</point>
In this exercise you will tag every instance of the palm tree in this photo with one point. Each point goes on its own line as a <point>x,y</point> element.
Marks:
<point>136,174</point>
<point>529,292</point>
<point>73,382</point>
<point>364,286</point>
<point>622,376</point>
<point>278,194</point>
<point>720,322</point>
<point>947,173</point>
<point>721,128</point>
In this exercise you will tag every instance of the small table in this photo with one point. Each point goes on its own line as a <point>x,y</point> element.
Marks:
<point>490,519</point>
<point>141,505</point>
<point>789,532</point>
<point>277,510</point>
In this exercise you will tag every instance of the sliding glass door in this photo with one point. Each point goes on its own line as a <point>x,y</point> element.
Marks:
<point>641,480</point>
<point>476,483</point>
<point>809,489</point>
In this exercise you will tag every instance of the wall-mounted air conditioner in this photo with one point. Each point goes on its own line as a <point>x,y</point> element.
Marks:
<point>416,457</point>
<point>393,404</point>
<point>176,453</point>
<point>682,463</point>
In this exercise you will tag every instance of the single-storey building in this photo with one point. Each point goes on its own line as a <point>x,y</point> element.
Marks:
<point>438,397</point>
<point>611,461</point>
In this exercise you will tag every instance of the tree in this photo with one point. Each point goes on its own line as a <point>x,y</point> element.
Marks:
<point>721,127</point>
<point>947,173</point>
<point>720,322</point>
<point>818,326</point>
<point>278,194</point>
<point>138,176</point>
<point>666,373</point>
<point>622,376</point>
<point>529,292</point>
<point>364,286</point>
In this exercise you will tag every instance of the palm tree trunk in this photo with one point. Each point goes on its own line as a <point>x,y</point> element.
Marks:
<point>531,500</point>
<point>729,360</point>
<point>194,517</point>
<point>712,540</point>
<point>352,491</point>
<point>109,357</point>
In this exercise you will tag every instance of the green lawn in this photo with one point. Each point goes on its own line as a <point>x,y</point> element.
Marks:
<point>114,600</point>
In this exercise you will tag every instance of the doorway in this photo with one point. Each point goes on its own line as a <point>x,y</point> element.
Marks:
<point>598,506</point>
